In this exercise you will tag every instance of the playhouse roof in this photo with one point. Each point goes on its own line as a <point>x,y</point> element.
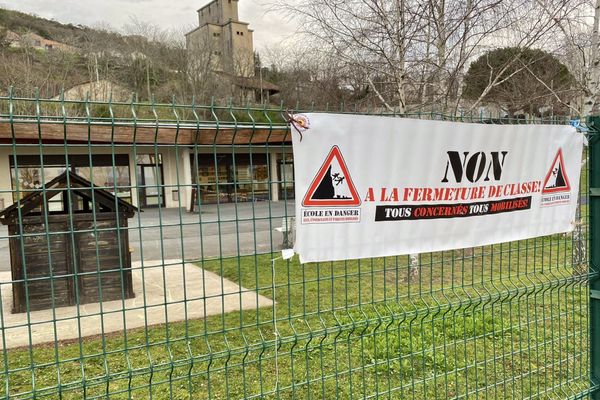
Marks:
<point>65,182</point>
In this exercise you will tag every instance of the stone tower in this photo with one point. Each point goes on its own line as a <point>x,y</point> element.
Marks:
<point>222,40</point>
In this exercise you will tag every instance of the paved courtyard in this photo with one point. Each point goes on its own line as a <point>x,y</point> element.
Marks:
<point>227,230</point>
<point>217,231</point>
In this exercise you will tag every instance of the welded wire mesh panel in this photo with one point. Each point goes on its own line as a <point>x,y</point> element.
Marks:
<point>141,258</point>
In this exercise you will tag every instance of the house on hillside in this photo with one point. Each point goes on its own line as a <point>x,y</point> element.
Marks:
<point>33,40</point>
<point>11,37</point>
<point>224,45</point>
<point>102,90</point>
<point>262,89</point>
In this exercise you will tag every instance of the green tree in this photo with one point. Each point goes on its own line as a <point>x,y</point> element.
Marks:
<point>531,81</point>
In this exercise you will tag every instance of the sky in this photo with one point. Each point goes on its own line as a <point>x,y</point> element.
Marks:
<point>269,27</point>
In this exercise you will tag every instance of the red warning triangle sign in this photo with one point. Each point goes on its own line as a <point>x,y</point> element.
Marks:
<point>556,179</point>
<point>332,186</point>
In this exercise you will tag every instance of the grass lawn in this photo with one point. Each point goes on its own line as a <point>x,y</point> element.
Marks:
<point>505,322</point>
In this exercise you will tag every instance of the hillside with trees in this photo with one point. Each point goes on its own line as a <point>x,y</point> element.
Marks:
<point>145,60</point>
<point>18,22</point>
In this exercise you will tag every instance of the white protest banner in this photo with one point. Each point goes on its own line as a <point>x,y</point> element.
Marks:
<point>370,186</point>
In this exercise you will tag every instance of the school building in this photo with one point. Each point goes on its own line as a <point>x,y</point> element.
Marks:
<point>149,166</point>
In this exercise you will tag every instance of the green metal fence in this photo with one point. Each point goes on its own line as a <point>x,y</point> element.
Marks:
<point>215,312</point>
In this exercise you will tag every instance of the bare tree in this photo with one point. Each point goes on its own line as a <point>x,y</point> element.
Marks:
<point>415,52</point>
<point>205,68</point>
<point>592,76</point>
<point>378,36</point>
<point>308,78</point>
<point>578,47</point>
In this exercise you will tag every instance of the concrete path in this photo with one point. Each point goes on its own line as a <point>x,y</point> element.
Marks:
<point>203,294</point>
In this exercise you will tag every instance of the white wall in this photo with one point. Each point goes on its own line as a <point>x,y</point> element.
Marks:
<point>176,167</point>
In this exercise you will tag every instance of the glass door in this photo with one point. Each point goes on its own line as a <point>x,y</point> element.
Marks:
<point>286,178</point>
<point>151,190</point>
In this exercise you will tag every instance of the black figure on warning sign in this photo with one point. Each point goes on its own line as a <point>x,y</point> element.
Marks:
<point>326,189</point>
<point>557,179</point>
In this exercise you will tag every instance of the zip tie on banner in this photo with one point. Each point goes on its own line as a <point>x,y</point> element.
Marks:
<point>576,123</point>
<point>298,121</point>
<point>286,254</point>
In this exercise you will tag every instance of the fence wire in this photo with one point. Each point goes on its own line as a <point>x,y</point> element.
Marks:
<point>141,259</point>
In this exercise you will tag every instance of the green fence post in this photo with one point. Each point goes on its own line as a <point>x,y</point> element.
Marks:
<point>594,282</point>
